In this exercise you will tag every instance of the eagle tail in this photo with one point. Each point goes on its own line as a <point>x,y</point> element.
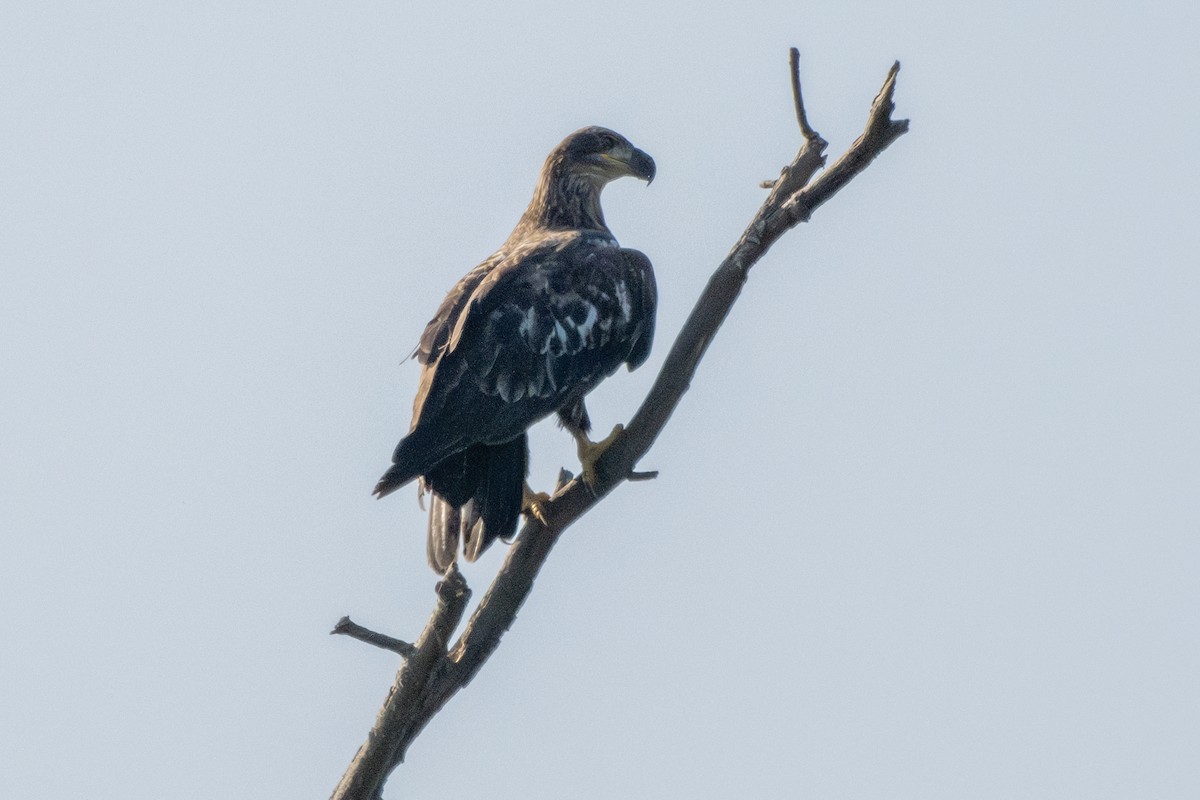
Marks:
<point>477,498</point>
<point>496,506</point>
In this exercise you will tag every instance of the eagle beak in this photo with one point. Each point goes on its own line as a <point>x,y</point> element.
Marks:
<point>627,161</point>
<point>641,165</point>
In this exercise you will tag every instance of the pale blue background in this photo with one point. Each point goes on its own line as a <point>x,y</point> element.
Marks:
<point>927,525</point>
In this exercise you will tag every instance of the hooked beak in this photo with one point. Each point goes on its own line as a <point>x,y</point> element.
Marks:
<point>641,165</point>
<point>631,161</point>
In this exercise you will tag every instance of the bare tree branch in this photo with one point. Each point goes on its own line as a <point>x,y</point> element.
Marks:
<point>432,674</point>
<point>385,745</point>
<point>798,98</point>
<point>347,627</point>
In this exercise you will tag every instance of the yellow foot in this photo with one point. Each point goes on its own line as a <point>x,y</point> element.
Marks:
<point>531,503</point>
<point>590,452</point>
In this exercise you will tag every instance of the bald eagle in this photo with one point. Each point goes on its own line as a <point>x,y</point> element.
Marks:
<point>527,333</point>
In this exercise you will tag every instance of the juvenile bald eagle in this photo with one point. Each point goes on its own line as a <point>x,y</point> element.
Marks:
<point>527,333</point>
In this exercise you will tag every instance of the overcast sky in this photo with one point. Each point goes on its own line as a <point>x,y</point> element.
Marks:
<point>928,522</point>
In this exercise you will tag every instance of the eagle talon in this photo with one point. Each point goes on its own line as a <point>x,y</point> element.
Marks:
<point>590,452</point>
<point>532,504</point>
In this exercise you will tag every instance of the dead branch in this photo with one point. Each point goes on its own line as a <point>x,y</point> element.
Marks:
<point>389,737</point>
<point>348,627</point>
<point>433,673</point>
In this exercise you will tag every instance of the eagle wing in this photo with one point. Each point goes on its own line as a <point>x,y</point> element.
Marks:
<point>536,333</point>
<point>522,337</point>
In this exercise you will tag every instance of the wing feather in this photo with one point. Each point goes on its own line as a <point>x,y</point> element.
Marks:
<point>644,294</point>
<point>532,334</point>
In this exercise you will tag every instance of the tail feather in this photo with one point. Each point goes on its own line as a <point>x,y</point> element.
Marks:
<point>442,541</point>
<point>497,501</point>
<point>477,498</point>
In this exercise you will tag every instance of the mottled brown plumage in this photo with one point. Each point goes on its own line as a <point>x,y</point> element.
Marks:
<point>530,331</point>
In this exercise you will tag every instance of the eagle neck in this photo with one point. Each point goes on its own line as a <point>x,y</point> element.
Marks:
<point>565,200</point>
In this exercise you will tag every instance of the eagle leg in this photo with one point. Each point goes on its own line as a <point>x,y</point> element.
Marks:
<point>590,452</point>
<point>532,502</point>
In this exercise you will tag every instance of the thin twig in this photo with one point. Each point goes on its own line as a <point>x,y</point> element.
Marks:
<point>798,97</point>
<point>347,627</point>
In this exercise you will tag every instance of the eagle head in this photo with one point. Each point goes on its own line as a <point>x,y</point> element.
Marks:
<point>568,191</point>
<point>604,155</point>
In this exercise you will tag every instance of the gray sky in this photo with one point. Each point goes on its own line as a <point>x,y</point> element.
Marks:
<point>927,524</point>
